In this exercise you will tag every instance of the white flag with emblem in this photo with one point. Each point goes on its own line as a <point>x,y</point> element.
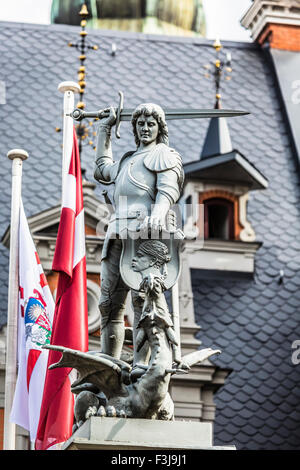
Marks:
<point>36,308</point>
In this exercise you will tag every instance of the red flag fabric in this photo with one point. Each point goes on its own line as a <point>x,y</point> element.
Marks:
<point>70,322</point>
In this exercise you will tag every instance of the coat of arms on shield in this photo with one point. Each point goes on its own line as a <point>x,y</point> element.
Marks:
<point>142,255</point>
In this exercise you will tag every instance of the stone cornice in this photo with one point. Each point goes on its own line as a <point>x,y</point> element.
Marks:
<point>263,12</point>
<point>222,255</point>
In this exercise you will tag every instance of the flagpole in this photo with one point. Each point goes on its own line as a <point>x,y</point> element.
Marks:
<point>68,88</point>
<point>17,156</point>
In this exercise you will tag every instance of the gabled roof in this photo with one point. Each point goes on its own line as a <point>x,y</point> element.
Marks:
<point>220,163</point>
<point>231,167</point>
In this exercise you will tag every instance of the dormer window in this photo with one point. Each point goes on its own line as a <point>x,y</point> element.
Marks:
<point>221,215</point>
<point>219,185</point>
<point>218,219</point>
<point>224,240</point>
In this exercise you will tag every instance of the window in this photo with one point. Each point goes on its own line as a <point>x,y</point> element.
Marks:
<point>218,219</point>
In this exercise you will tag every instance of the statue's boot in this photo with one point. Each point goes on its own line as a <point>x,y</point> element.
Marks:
<point>112,338</point>
<point>112,328</point>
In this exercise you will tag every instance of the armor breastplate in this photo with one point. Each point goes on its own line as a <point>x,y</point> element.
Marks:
<point>135,187</point>
<point>136,179</point>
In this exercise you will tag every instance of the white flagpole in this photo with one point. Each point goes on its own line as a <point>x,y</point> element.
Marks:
<point>17,156</point>
<point>68,89</point>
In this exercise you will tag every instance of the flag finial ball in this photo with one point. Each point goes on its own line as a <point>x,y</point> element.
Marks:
<point>69,85</point>
<point>17,153</point>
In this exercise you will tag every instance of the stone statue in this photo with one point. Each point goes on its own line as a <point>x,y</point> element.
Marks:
<point>147,182</point>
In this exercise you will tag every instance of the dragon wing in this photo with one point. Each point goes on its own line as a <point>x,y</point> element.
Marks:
<point>199,356</point>
<point>103,371</point>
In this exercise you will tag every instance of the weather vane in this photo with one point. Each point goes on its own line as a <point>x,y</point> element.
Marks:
<point>83,130</point>
<point>220,67</point>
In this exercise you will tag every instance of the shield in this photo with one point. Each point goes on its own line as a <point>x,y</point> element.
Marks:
<point>131,243</point>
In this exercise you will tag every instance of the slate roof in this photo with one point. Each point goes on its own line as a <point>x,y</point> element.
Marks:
<point>253,321</point>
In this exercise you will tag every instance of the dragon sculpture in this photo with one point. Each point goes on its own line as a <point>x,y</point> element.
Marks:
<point>105,386</point>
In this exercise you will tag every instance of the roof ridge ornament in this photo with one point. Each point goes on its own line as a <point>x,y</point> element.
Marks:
<point>221,67</point>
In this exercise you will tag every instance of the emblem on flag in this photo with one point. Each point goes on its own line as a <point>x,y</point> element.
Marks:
<point>37,324</point>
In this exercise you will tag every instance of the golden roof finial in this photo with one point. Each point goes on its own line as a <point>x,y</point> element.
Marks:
<point>221,67</point>
<point>217,45</point>
<point>84,11</point>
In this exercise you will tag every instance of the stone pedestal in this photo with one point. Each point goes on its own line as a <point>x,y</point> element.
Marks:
<point>137,434</point>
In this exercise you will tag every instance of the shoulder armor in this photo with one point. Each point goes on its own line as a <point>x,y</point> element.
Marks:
<point>162,158</point>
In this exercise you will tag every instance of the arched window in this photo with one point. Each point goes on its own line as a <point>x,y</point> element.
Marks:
<point>218,219</point>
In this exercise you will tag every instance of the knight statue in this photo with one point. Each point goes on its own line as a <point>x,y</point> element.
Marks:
<point>148,181</point>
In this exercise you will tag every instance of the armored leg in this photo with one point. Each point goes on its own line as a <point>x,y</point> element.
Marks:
<point>112,302</point>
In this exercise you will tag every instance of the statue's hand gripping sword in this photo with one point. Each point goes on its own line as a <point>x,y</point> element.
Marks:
<point>126,114</point>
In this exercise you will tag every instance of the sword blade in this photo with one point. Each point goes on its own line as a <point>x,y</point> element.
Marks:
<point>203,113</point>
<point>170,114</point>
<point>189,113</point>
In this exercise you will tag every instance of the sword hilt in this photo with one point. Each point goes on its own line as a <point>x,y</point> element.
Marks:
<point>119,110</point>
<point>78,114</point>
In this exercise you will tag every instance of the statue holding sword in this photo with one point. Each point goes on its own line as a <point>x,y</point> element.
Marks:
<point>147,182</point>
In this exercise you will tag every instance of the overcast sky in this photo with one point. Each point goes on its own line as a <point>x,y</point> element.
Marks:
<point>222,16</point>
<point>223,19</point>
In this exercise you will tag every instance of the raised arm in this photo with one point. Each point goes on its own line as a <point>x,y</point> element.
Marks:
<point>104,160</point>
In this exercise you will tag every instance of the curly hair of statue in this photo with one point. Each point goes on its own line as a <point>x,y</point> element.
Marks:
<point>150,109</point>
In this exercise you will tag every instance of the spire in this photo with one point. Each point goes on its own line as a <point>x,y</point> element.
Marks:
<point>217,140</point>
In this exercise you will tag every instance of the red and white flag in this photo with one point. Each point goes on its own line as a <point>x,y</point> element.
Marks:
<point>36,307</point>
<point>70,323</point>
